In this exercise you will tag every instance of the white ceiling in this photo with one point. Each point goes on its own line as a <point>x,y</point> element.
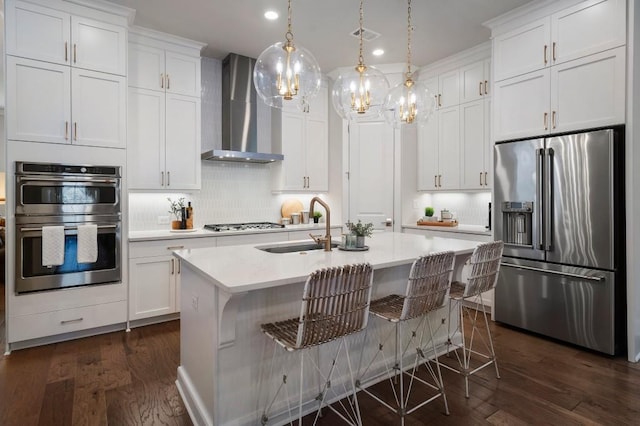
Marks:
<point>441,27</point>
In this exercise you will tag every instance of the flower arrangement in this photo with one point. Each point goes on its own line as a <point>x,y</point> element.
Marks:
<point>361,229</point>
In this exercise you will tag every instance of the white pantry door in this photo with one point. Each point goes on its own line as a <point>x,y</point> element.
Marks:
<point>371,150</point>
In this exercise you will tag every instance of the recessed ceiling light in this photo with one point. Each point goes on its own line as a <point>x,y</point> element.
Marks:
<point>378,52</point>
<point>271,15</point>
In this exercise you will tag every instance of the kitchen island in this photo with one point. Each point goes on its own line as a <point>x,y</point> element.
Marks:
<point>228,292</point>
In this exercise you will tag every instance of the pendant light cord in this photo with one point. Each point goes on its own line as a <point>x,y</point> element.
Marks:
<point>409,39</point>
<point>289,34</point>
<point>360,58</point>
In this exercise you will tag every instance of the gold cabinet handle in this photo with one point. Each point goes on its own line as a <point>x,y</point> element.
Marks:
<point>162,80</point>
<point>486,87</point>
<point>480,88</point>
<point>439,181</point>
<point>480,178</point>
<point>168,82</point>
<point>435,181</point>
<point>546,127</point>
<point>75,131</point>
<point>66,51</point>
<point>75,53</point>
<point>161,178</point>
<point>178,262</point>
<point>553,119</point>
<point>553,51</point>
<point>175,247</point>
<point>66,130</point>
<point>168,178</point>
<point>439,99</point>
<point>172,267</point>
<point>545,54</point>
<point>63,322</point>
<point>485,179</point>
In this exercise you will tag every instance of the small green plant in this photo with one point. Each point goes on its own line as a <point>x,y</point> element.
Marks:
<point>176,207</point>
<point>428,211</point>
<point>317,214</point>
<point>361,229</point>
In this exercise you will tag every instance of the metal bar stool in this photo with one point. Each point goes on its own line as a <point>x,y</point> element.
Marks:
<point>335,303</point>
<point>479,274</point>
<point>426,291</point>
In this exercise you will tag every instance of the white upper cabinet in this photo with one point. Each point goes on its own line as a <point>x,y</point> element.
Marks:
<point>98,46</point>
<point>302,137</point>
<point>81,107</point>
<point>522,106</point>
<point>586,28</point>
<point>159,69</point>
<point>588,92</point>
<point>474,81</point>
<point>474,167</point>
<point>30,115</point>
<point>581,30</point>
<point>44,34</point>
<point>98,109</point>
<point>164,125</point>
<point>449,148</point>
<point>448,89</point>
<point>523,50</point>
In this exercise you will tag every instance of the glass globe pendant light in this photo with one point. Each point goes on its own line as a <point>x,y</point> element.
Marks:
<point>285,73</point>
<point>359,93</point>
<point>410,101</point>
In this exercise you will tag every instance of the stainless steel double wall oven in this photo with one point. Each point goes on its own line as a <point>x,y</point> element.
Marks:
<point>66,195</point>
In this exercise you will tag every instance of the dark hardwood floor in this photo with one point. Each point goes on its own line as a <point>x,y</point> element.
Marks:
<point>128,379</point>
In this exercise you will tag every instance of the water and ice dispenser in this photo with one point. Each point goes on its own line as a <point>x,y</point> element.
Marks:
<point>517,217</point>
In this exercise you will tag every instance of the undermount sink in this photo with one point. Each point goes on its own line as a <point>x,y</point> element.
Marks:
<point>295,247</point>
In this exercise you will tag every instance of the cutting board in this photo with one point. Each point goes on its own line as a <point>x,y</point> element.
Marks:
<point>448,224</point>
<point>291,205</point>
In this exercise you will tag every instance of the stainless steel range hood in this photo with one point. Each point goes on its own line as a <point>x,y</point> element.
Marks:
<point>239,115</point>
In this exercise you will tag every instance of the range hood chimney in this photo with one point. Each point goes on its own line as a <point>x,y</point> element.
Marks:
<point>239,115</point>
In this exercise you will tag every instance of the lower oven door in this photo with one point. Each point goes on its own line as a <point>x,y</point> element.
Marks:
<point>31,275</point>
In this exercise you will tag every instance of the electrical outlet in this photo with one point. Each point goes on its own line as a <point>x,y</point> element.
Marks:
<point>163,220</point>
<point>194,302</point>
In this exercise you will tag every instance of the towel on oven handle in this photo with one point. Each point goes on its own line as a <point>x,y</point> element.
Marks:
<point>52,245</point>
<point>87,243</point>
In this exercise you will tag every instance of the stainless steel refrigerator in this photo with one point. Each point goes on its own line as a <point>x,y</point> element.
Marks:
<point>559,208</point>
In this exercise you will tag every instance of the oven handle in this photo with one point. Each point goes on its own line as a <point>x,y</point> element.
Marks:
<point>66,228</point>
<point>65,179</point>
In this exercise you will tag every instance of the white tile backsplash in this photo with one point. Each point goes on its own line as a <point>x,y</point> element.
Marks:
<point>230,193</point>
<point>469,208</point>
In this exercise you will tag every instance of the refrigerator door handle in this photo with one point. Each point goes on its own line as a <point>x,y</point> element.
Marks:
<point>547,271</point>
<point>548,202</point>
<point>538,204</point>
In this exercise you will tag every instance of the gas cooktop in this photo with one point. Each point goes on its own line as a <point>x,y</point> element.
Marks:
<point>217,227</point>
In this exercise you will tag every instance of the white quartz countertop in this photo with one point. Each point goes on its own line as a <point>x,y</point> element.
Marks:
<point>166,234</point>
<point>242,268</point>
<point>461,229</point>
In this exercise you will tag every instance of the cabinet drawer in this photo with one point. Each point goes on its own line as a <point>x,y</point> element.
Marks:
<point>26,327</point>
<point>165,247</point>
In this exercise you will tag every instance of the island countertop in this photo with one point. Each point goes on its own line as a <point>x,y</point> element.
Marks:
<point>243,268</point>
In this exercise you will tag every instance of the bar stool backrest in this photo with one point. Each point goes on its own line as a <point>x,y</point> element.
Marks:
<point>429,284</point>
<point>335,303</point>
<point>484,267</point>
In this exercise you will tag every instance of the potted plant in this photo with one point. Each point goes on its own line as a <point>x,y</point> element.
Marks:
<point>176,210</point>
<point>428,213</point>
<point>316,216</point>
<point>361,230</point>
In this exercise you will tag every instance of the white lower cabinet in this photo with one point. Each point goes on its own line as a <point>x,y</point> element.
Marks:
<point>154,286</point>
<point>154,275</point>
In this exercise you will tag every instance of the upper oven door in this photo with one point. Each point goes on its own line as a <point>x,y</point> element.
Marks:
<point>56,195</point>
